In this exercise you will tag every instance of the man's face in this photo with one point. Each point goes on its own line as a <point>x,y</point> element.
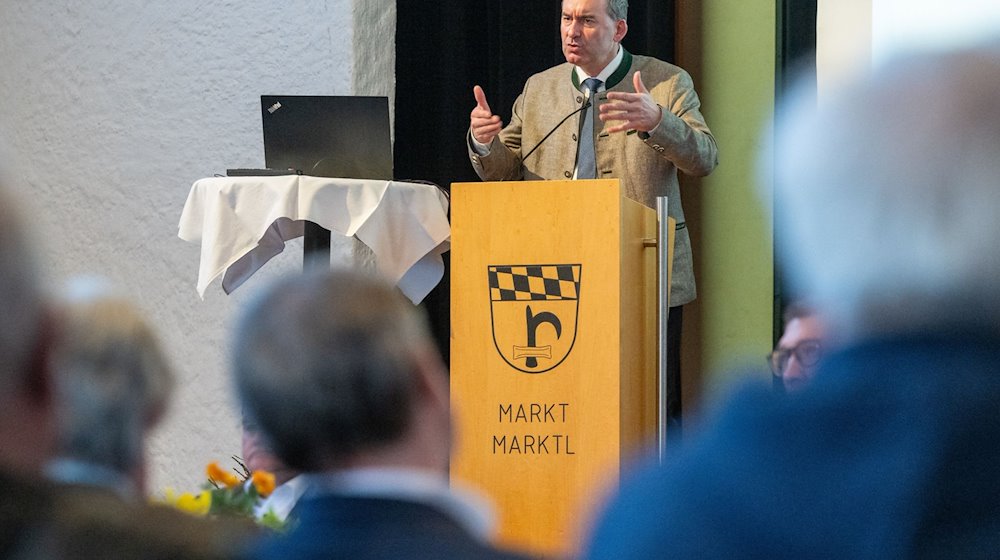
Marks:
<point>802,338</point>
<point>589,35</point>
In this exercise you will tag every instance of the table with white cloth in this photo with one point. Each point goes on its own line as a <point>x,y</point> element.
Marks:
<point>242,222</point>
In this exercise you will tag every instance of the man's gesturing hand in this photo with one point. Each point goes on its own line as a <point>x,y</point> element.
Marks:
<point>634,111</point>
<point>485,125</point>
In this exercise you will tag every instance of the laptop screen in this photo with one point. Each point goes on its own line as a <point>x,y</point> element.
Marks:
<point>328,135</point>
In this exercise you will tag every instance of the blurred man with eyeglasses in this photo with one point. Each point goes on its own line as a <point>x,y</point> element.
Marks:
<point>800,348</point>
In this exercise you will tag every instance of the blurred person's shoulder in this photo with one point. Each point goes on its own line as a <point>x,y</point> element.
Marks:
<point>90,522</point>
<point>26,504</point>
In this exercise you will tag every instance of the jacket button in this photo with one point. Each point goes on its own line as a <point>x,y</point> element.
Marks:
<point>579,99</point>
<point>574,137</point>
<point>567,174</point>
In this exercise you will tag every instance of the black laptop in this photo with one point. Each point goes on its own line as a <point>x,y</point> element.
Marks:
<point>327,135</point>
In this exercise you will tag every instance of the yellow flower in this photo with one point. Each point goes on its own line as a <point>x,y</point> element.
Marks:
<point>221,476</point>
<point>195,504</point>
<point>263,481</point>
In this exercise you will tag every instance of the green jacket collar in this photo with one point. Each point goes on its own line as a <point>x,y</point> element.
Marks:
<point>615,78</point>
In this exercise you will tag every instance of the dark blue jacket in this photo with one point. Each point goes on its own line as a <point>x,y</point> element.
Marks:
<point>355,528</point>
<point>893,452</point>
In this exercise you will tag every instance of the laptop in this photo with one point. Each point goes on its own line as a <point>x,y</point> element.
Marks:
<point>327,135</point>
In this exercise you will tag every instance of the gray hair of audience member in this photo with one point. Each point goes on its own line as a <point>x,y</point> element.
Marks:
<point>112,381</point>
<point>324,363</point>
<point>887,194</point>
<point>20,298</point>
<point>618,9</point>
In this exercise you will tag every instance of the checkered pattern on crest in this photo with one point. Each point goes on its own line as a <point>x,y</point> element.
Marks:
<point>535,282</point>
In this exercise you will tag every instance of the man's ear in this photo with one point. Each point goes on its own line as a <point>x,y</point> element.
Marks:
<point>621,28</point>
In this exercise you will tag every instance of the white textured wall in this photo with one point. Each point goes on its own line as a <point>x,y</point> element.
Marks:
<point>113,108</point>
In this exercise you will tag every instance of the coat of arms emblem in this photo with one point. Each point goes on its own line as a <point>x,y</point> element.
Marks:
<point>534,311</point>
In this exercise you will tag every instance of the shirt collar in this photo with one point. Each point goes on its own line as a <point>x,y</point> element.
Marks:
<point>465,507</point>
<point>604,74</point>
<point>619,68</point>
<point>282,499</point>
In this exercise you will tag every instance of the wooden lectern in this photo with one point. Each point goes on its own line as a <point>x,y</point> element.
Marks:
<point>553,350</point>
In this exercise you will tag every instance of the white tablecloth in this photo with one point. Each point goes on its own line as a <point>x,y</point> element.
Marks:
<point>242,222</point>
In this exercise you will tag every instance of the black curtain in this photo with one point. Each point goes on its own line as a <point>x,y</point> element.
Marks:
<point>444,48</point>
<point>795,60</point>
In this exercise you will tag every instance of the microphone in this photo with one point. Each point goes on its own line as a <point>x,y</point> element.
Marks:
<point>586,105</point>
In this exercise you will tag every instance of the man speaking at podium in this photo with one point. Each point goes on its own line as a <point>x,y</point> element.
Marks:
<point>648,126</point>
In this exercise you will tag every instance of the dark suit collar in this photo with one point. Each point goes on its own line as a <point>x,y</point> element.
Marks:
<point>334,509</point>
<point>352,515</point>
<point>339,526</point>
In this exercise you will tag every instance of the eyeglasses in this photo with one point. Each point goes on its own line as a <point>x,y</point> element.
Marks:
<point>808,353</point>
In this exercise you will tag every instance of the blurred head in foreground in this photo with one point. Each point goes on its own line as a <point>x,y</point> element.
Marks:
<point>338,371</point>
<point>889,195</point>
<point>26,413</point>
<point>112,384</point>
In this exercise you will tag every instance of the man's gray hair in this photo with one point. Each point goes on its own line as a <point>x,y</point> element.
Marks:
<point>618,9</point>
<point>888,192</point>
<point>324,363</point>
<point>112,381</point>
<point>20,298</point>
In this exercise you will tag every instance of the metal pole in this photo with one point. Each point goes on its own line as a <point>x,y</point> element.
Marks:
<point>663,312</point>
